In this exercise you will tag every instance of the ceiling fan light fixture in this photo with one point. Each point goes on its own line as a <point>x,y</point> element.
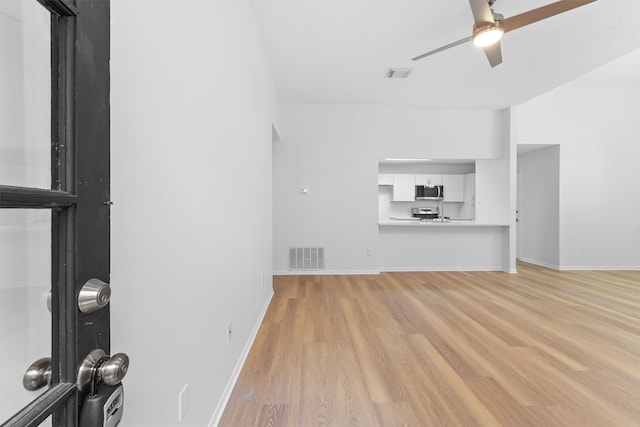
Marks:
<point>486,36</point>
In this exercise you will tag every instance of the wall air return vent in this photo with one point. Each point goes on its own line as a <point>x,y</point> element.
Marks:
<point>306,259</point>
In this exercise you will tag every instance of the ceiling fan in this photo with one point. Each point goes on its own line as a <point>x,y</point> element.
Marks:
<point>489,26</point>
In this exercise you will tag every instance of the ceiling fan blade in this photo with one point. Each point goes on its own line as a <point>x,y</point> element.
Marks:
<point>494,54</point>
<point>544,12</point>
<point>481,12</point>
<point>440,49</point>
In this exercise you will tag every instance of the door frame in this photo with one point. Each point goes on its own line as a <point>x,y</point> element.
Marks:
<point>79,198</point>
<point>519,210</point>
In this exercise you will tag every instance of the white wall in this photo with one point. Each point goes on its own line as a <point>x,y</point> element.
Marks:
<point>510,153</point>
<point>331,150</point>
<point>440,134</point>
<point>492,191</point>
<point>193,104</point>
<point>595,121</point>
<point>540,207</point>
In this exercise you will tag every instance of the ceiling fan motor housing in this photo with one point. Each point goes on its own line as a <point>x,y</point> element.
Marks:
<point>497,18</point>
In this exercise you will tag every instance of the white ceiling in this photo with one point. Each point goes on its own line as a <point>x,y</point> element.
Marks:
<point>339,51</point>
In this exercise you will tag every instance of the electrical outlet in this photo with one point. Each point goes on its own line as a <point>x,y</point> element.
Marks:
<point>229,332</point>
<point>262,281</point>
<point>369,251</point>
<point>183,402</point>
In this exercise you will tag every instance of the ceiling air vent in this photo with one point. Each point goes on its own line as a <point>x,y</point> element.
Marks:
<point>399,73</point>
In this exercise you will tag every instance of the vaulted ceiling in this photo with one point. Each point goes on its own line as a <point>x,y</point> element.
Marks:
<point>339,51</point>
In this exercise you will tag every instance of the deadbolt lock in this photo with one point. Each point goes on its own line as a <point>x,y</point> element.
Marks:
<point>98,368</point>
<point>94,295</point>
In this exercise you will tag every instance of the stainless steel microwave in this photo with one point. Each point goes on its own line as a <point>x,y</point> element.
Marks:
<point>429,192</point>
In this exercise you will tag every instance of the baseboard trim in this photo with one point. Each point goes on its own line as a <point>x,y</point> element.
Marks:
<point>325,272</point>
<point>226,394</point>
<point>426,269</point>
<point>580,267</point>
<point>540,263</point>
<point>597,268</point>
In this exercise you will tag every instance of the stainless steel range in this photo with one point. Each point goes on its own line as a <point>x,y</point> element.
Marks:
<point>424,213</point>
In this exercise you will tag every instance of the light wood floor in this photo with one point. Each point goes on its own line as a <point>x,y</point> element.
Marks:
<point>540,348</point>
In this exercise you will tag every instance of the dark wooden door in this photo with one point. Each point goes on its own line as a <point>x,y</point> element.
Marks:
<point>59,207</point>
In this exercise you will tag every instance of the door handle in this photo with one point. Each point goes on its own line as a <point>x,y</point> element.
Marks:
<point>114,370</point>
<point>38,374</point>
<point>94,295</point>
<point>97,368</point>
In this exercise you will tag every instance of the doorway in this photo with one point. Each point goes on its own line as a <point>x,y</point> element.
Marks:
<point>538,204</point>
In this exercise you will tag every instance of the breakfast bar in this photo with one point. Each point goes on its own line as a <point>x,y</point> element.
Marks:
<point>455,245</point>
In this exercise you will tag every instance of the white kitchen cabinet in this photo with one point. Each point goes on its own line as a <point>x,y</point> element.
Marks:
<point>404,188</point>
<point>428,179</point>
<point>468,210</point>
<point>453,188</point>
<point>385,179</point>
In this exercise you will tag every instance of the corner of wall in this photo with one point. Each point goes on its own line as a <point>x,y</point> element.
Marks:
<point>216,417</point>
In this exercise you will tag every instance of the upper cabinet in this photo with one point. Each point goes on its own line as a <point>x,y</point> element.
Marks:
<point>403,185</point>
<point>468,209</point>
<point>453,188</point>
<point>404,188</point>
<point>385,179</point>
<point>428,179</point>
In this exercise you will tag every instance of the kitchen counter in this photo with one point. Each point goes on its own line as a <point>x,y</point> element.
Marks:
<point>410,222</point>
